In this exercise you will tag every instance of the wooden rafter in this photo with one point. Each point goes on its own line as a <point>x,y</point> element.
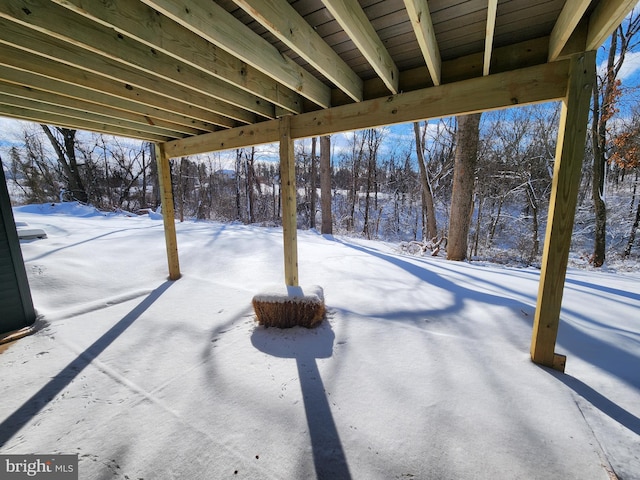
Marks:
<point>353,20</point>
<point>213,23</point>
<point>567,22</point>
<point>35,114</point>
<point>529,85</point>
<point>142,23</point>
<point>52,20</point>
<point>69,107</point>
<point>420,16</point>
<point>492,11</point>
<point>63,53</point>
<point>282,20</point>
<point>45,67</point>
<point>94,101</point>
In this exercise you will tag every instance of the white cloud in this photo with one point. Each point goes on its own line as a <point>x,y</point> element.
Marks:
<point>630,67</point>
<point>629,70</point>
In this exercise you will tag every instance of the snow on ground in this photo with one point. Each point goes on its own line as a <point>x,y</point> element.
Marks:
<point>421,369</point>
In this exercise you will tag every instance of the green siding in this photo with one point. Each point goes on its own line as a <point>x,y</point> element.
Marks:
<point>16,306</point>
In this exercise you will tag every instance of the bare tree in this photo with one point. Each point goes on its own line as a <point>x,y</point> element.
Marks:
<point>428,209</point>
<point>64,144</point>
<point>373,139</point>
<point>467,140</point>
<point>312,185</point>
<point>606,92</point>
<point>325,185</point>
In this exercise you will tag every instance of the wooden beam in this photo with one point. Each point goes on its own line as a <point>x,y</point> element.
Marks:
<point>60,51</point>
<point>565,25</point>
<point>69,116</point>
<point>288,198</point>
<point>511,57</point>
<point>52,103</point>
<point>492,11</point>
<point>97,89</point>
<point>138,21</point>
<point>168,214</point>
<point>38,116</point>
<point>530,85</point>
<point>284,22</point>
<point>420,17</point>
<point>562,205</point>
<point>247,136</point>
<point>53,21</point>
<point>536,84</point>
<point>606,17</point>
<point>95,101</point>
<point>216,25</point>
<point>353,20</point>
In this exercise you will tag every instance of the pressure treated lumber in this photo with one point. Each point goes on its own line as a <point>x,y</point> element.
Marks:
<point>288,196</point>
<point>519,87</point>
<point>168,214</point>
<point>562,206</point>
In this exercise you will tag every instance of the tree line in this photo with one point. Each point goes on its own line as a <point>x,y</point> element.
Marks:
<point>478,185</point>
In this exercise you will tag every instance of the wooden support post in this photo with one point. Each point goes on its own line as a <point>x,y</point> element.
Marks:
<point>562,206</point>
<point>168,214</point>
<point>288,197</point>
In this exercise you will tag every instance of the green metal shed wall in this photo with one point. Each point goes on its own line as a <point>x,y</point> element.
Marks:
<point>16,305</point>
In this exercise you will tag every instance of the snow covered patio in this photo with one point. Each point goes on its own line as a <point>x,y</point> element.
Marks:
<point>422,369</point>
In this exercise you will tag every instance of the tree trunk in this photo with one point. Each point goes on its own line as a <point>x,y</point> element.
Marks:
<point>494,223</point>
<point>312,184</point>
<point>476,236</point>
<point>535,225</point>
<point>66,154</point>
<point>429,215</point>
<point>182,173</point>
<point>250,183</point>
<point>371,160</point>
<point>358,151</point>
<point>606,92</point>
<point>632,235</point>
<point>325,185</point>
<point>598,137</point>
<point>467,139</point>
<point>238,193</point>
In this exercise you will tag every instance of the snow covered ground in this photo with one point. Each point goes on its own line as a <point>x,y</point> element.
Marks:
<point>421,369</point>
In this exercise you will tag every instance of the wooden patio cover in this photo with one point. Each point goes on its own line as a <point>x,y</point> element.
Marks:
<point>195,76</point>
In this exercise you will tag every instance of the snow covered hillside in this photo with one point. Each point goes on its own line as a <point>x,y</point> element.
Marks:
<point>421,369</point>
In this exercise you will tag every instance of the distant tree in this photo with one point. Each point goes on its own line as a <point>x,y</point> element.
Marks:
<point>373,137</point>
<point>467,140</point>
<point>36,175</point>
<point>312,184</point>
<point>63,141</point>
<point>606,93</point>
<point>238,183</point>
<point>325,185</point>
<point>625,156</point>
<point>428,209</point>
<point>357,155</point>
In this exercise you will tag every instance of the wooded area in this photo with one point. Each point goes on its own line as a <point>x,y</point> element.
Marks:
<point>377,187</point>
<point>476,186</point>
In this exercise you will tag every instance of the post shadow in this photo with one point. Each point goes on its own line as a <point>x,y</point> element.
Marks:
<point>599,401</point>
<point>23,415</point>
<point>306,345</point>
